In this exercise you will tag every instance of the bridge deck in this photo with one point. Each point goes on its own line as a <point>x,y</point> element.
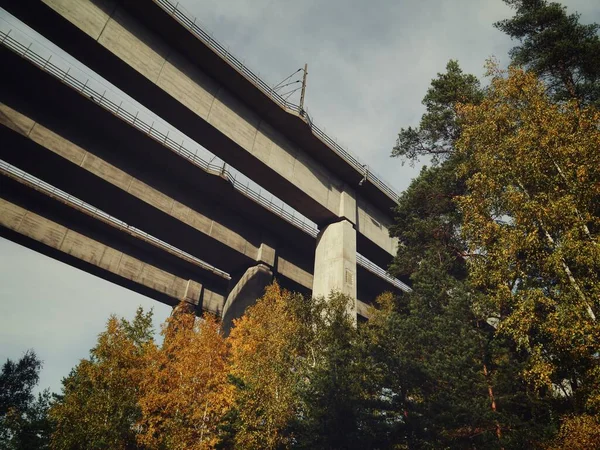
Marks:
<point>53,104</point>
<point>127,53</point>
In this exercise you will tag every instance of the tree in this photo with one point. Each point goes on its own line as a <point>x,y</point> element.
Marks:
<point>530,219</point>
<point>577,433</point>
<point>459,381</point>
<point>427,219</point>
<point>562,52</point>
<point>99,407</point>
<point>24,420</point>
<point>267,347</point>
<point>184,389</point>
<point>333,390</point>
<point>439,127</point>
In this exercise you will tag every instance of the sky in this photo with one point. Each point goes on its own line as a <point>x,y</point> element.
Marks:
<point>369,65</point>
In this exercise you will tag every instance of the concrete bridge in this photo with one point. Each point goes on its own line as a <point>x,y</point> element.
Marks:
<point>93,185</point>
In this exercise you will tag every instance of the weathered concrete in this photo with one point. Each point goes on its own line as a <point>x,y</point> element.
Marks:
<point>86,156</point>
<point>335,262</point>
<point>246,291</point>
<point>157,74</point>
<point>231,233</point>
<point>93,252</point>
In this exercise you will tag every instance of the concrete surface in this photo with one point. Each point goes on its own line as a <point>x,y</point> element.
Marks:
<point>81,247</point>
<point>229,127</point>
<point>246,291</point>
<point>335,262</point>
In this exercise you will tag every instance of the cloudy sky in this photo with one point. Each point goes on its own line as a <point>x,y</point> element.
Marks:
<point>370,63</point>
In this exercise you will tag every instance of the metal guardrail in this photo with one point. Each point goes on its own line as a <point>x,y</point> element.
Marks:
<point>375,269</point>
<point>149,130</point>
<point>48,189</point>
<point>179,14</point>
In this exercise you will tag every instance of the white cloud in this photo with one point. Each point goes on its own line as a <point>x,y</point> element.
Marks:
<point>370,64</point>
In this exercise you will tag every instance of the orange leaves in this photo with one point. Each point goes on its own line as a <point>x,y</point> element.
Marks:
<point>184,392</point>
<point>265,348</point>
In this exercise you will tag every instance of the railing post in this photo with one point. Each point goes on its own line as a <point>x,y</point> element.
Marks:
<point>47,61</point>
<point>6,35</point>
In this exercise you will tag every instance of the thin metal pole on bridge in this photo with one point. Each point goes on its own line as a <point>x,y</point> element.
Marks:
<point>303,89</point>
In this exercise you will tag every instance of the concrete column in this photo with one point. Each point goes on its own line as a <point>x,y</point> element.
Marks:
<point>266,254</point>
<point>335,262</point>
<point>190,300</point>
<point>348,205</point>
<point>193,291</point>
<point>246,291</point>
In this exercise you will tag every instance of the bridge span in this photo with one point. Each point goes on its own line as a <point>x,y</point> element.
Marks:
<point>56,129</point>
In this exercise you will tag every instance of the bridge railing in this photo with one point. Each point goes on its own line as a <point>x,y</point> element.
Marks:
<point>220,170</point>
<point>190,23</point>
<point>133,119</point>
<point>48,189</point>
<point>375,269</point>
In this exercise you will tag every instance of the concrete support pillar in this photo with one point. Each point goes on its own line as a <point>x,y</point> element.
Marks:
<point>266,254</point>
<point>190,300</point>
<point>247,290</point>
<point>189,304</point>
<point>335,262</point>
<point>348,205</point>
<point>193,292</point>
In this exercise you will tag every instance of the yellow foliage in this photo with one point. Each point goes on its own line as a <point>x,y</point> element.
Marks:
<point>265,348</point>
<point>185,392</point>
<point>578,433</point>
<point>99,407</point>
<point>531,218</point>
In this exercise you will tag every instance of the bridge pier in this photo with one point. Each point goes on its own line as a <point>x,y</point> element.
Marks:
<point>335,255</point>
<point>190,301</point>
<point>246,291</point>
<point>335,262</point>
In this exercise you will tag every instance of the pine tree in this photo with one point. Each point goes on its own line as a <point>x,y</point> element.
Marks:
<point>564,53</point>
<point>24,422</point>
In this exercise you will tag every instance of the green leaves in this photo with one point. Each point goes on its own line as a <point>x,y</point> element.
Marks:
<point>554,45</point>
<point>439,127</point>
<point>24,420</point>
<point>530,214</point>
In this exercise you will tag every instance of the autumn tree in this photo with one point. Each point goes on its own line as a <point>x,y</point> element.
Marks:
<point>553,44</point>
<point>460,381</point>
<point>531,222</point>
<point>267,351</point>
<point>184,388</point>
<point>99,408</point>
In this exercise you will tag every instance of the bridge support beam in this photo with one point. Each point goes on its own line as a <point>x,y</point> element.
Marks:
<point>335,262</point>
<point>247,290</point>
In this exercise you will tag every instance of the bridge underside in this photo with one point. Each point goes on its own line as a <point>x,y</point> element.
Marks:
<point>53,132</point>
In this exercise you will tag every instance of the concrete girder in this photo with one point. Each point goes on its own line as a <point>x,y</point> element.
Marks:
<point>228,240</point>
<point>143,270</point>
<point>140,62</point>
